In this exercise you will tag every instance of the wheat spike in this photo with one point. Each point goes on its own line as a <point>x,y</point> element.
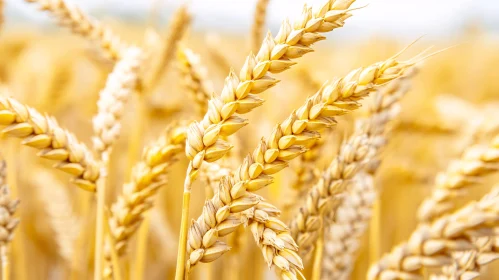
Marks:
<point>7,208</point>
<point>119,86</point>
<point>43,133</point>
<point>285,143</point>
<point>126,214</point>
<point>161,57</point>
<point>323,198</point>
<point>194,79</point>
<point>70,16</point>
<point>239,94</point>
<point>258,24</point>
<point>432,244</point>
<point>347,224</point>
<point>477,161</point>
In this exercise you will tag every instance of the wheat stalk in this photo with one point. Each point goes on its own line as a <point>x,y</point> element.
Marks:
<point>336,98</point>
<point>8,223</point>
<point>239,95</point>
<point>432,244</point>
<point>194,78</point>
<point>43,133</point>
<point>68,15</point>
<point>258,24</point>
<point>127,213</point>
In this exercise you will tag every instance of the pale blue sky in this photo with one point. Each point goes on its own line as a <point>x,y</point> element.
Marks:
<point>406,18</point>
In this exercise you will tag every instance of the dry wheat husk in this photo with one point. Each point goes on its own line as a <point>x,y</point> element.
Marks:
<point>127,213</point>
<point>432,244</point>
<point>43,133</point>
<point>285,143</point>
<point>120,85</point>
<point>239,94</point>
<point>69,15</point>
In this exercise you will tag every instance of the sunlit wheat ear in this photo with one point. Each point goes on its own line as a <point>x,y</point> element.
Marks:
<point>271,156</point>
<point>137,196</point>
<point>43,133</point>
<point>68,15</point>
<point>112,99</point>
<point>239,94</point>
<point>344,226</point>
<point>258,26</point>
<point>194,79</point>
<point>477,161</point>
<point>432,244</point>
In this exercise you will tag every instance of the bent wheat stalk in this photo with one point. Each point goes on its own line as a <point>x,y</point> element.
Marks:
<point>432,244</point>
<point>70,16</point>
<point>271,156</point>
<point>239,94</point>
<point>43,133</point>
<point>127,213</point>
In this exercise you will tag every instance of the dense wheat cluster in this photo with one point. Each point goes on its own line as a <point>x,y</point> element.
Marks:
<point>266,155</point>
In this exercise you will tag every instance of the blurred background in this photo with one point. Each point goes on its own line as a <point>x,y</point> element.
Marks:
<point>453,102</point>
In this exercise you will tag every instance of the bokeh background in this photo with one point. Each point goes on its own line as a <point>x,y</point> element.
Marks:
<point>454,102</point>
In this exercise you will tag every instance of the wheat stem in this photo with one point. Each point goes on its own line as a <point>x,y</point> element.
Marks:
<point>318,256</point>
<point>5,262</point>
<point>184,226</point>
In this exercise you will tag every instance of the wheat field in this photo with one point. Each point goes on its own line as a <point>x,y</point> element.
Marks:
<point>156,151</point>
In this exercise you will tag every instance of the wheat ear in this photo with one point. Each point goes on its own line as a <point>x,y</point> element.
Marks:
<point>176,30</point>
<point>62,218</point>
<point>300,128</point>
<point>347,224</point>
<point>43,133</point>
<point>239,95</point>
<point>258,24</point>
<point>8,223</point>
<point>194,79</point>
<point>477,161</point>
<point>119,86</point>
<point>323,198</point>
<point>432,244</point>
<point>137,197</point>
<point>70,16</point>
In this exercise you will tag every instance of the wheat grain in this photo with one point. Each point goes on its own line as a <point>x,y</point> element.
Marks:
<point>126,214</point>
<point>258,24</point>
<point>432,245</point>
<point>7,208</point>
<point>70,16</point>
<point>119,86</point>
<point>194,78</point>
<point>43,133</point>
